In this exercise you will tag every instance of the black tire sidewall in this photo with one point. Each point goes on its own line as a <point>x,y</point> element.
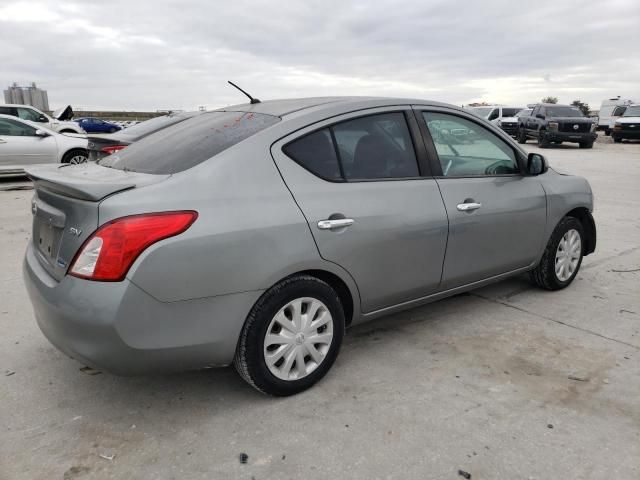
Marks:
<point>258,323</point>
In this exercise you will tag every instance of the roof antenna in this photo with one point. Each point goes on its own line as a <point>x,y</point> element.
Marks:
<point>253,100</point>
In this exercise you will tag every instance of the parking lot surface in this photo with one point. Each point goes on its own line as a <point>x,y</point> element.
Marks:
<point>504,382</point>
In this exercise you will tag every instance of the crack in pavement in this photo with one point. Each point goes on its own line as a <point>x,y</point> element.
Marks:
<point>524,310</point>
<point>602,260</point>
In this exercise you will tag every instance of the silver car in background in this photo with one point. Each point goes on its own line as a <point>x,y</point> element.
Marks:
<point>257,233</point>
<point>24,143</point>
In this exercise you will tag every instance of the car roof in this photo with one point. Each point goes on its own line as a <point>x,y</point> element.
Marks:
<point>288,106</point>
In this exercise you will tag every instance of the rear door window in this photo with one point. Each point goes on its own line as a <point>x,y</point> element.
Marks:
<point>374,147</point>
<point>188,143</point>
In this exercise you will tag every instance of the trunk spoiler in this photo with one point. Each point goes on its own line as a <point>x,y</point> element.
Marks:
<point>87,181</point>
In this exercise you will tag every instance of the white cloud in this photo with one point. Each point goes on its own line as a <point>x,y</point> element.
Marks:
<point>179,54</point>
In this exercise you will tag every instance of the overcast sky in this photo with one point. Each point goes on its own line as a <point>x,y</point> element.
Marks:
<point>148,55</point>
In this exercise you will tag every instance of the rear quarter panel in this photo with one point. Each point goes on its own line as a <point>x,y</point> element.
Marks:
<point>249,233</point>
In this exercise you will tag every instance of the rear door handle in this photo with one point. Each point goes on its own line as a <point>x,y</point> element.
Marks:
<point>2,141</point>
<point>467,207</point>
<point>333,224</point>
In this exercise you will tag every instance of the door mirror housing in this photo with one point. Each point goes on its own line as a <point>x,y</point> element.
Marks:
<point>540,116</point>
<point>41,133</point>
<point>536,164</point>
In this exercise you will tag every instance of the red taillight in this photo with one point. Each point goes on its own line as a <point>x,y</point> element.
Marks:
<point>112,149</point>
<point>110,251</point>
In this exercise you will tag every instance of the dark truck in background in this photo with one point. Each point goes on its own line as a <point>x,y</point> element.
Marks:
<point>552,123</point>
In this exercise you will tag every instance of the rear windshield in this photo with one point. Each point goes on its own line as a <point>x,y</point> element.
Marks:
<point>564,112</point>
<point>188,143</point>
<point>147,127</point>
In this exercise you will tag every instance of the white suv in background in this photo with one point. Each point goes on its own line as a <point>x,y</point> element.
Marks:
<point>58,122</point>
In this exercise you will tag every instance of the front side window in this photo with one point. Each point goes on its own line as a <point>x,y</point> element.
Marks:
<point>28,114</point>
<point>11,128</point>
<point>373,147</point>
<point>467,149</point>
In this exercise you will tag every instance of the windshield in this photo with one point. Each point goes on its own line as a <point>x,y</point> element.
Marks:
<point>510,112</point>
<point>564,112</point>
<point>482,111</point>
<point>188,143</point>
<point>632,111</point>
<point>524,113</point>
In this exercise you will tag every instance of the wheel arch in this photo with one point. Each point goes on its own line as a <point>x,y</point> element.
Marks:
<point>583,215</point>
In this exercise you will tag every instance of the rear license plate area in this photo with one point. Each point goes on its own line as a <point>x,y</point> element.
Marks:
<point>46,240</point>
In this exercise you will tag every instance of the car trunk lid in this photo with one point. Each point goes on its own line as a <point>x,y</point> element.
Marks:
<point>65,207</point>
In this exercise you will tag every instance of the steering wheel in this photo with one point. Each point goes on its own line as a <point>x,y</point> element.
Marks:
<point>501,167</point>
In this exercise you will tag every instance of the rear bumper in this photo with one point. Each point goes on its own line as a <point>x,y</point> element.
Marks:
<point>117,327</point>
<point>570,137</point>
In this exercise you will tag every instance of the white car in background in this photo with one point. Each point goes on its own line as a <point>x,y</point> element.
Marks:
<point>58,122</point>
<point>26,143</point>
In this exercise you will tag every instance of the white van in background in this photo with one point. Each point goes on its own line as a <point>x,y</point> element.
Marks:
<point>502,116</point>
<point>610,111</point>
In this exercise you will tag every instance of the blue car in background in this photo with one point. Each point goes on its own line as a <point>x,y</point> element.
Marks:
<point>95,125</point>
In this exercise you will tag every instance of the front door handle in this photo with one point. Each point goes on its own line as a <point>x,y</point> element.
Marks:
<point>333,224</point>
<point>2,141</point>
<point>467,207</point>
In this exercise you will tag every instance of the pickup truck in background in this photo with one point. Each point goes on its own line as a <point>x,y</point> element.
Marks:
<point>551,123</point>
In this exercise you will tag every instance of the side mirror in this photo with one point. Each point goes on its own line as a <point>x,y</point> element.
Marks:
<point>42,119</point>
<point>540,116</point>
<point>41,133</point>
<point>536,164</point>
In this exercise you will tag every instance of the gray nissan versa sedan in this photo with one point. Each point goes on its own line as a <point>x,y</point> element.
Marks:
<point>256,233</point>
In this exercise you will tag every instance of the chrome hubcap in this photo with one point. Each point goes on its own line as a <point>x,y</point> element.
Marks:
<point>75,160</point>
<point>298,338</point>
<point>568,255</point>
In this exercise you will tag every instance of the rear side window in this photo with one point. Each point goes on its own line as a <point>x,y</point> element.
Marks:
<point>373,147</point>
<point>315,152</point>
<point>188,143</point>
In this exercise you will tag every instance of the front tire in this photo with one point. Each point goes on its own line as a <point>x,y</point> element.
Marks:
<point>543,141</point>
<point>617,140</point>
<point>291,337</point>
<point>586,144</point>
<point>562,257</point>
<point>522,136</point>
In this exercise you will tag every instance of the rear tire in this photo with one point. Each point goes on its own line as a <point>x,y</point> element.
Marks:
<point>560,263</point>
<point>75,156</point>
<point>586,144</point>
<point>112,130</point>
<point>617,140</point>
<point>279,351</point>
<point>522,136</point>
<point>607,132</point>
